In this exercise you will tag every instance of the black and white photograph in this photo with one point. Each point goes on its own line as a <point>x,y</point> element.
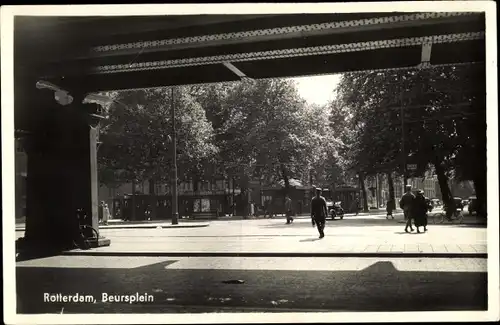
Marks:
<point>246,163</point>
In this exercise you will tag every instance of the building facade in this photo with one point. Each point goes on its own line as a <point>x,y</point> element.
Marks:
<point>208,196</point>
<point>428,184</point>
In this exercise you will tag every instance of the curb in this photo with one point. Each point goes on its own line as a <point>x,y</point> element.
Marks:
<point>264,254</point>
<point>139,226</point>
<point>151,226</point>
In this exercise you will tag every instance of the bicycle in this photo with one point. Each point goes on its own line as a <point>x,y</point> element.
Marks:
<point>85,232</point>
<point>440,217</point>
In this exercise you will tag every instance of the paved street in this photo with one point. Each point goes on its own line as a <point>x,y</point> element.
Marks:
<point>178,283</point>
<point>198,284</point>
<point>362,234</point>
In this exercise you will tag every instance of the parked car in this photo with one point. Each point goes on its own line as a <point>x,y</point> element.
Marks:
<point>335,210</point>
<point>472,206</point>
<point>458,203</point>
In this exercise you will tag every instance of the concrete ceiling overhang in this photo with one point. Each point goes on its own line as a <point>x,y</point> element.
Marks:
<point>109,53</point>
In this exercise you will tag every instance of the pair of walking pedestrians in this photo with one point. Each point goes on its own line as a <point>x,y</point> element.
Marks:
<point>103,213</point>
<point>415,209</point>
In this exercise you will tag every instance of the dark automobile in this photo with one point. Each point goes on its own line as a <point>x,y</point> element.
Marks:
<point>458,203</point>
<point>472,206</point>
<point>335,209</point>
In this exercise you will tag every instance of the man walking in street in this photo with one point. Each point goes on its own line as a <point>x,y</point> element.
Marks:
<point>406,204</point>
<point>319,212</point>
<point>266,209</point>
<point>288,209</point>
<point>356,206</point>
<point>390,208</point>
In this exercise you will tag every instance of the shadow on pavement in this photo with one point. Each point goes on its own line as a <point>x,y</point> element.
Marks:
<point>380,287</point>
<point>363,222</point>
<point>358,222</point>
<point>309,240</point>
<point>465,225</point>
<point>32,255</point>
<point>410,233</point>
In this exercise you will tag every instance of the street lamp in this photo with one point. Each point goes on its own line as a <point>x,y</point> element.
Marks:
<point>175,212</point>
<point>405,179</point>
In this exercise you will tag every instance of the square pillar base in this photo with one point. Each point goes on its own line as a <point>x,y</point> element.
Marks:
<point>101,242</point>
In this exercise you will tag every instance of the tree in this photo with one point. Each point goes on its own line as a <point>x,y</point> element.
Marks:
<point>137,142</point>
<point>271,132</point>
<point>435,104</point>
<point>212,98</point>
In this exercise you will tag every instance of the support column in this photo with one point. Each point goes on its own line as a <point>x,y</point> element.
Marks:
<point>49,178</point>
<point>62,174</point>
<point>94,183</point>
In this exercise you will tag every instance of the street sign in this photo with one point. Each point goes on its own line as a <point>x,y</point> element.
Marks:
<point>411,167</point>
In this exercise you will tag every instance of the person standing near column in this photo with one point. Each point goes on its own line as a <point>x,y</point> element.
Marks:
<point>100,211</point>
<point>105,214</point>
<point>252,209</point>
<point>319,212</point>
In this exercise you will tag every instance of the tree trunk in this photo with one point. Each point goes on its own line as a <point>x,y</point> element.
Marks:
<point>377,193</point>
<point>243,182</point>
<point>233,205</point>
<point>244,201</point>
<point>392,197</point>
<point>363,189</point>
<point>152,199</point>
<point>284,174</point>
<point>480,188</point>
<point>443,185</point>
<point>133,212</point>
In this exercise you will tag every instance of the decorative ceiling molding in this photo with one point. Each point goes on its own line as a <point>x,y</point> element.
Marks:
<point>286,53</point>
<point>388,22</point>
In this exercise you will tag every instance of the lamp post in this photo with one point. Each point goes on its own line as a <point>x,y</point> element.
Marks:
<point>405,179</point>
<point>175,212</point>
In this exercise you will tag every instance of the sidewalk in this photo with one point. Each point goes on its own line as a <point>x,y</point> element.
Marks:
<point>120,224</point>
<point>351,237</point>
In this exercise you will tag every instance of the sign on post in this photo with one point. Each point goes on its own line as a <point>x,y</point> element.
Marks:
<point>411,167</point>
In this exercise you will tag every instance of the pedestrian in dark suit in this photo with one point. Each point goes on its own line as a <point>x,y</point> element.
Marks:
<point>319,212</point>
<point>419,211</point>
<point>406,203</point>
<point>390,208</point>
